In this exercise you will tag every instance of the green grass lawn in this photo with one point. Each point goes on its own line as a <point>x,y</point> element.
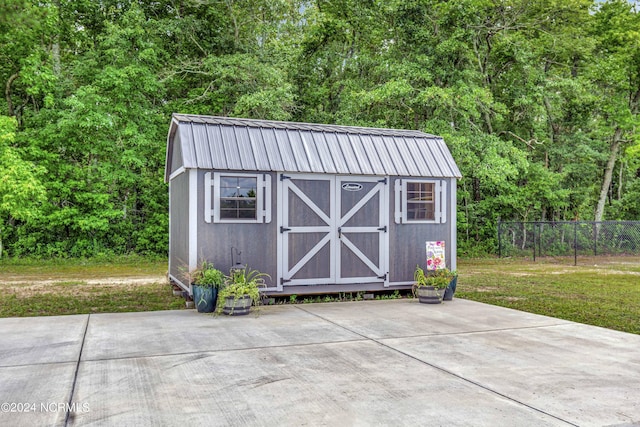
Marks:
<point>75,286</point>
<point>600,291</point>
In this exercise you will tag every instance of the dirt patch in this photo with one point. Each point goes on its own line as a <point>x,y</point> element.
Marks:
<point>486,289</point>
<point>16,280</point>
<point>27,287</point>
<point>511,299</point>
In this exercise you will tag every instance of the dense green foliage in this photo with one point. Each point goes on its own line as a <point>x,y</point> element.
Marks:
<point>537,99</point>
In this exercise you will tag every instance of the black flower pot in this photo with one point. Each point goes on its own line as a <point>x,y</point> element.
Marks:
<point>451,289</point>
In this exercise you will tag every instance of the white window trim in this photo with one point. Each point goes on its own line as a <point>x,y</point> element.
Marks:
<point>212,198</point>
<point>400,201</point>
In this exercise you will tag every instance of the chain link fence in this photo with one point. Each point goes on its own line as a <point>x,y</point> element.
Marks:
<point>568,238</point>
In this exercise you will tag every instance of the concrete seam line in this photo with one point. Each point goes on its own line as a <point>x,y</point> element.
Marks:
<point>442,369</point>
<point>75,375</point>
<point>102,359</point>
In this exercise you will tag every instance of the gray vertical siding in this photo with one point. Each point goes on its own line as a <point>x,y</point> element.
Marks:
<point>257,242</point>
<point>407,242</point>
<point>179,220</point>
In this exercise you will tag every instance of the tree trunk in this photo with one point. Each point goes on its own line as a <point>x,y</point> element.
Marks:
<point>55,48</point>
<point>620,179</point>
<point>7,94</point>
<point>608,174</point>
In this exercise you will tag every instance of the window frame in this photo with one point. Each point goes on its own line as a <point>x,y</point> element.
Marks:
<point>402,201</point>
<point>213,190</point>
<point>406,201</point>
<point>237,209</point>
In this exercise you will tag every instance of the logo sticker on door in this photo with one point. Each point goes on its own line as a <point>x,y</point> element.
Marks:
<point>351,186</point>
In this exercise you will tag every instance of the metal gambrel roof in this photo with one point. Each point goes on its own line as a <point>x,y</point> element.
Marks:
<point>224,143</point>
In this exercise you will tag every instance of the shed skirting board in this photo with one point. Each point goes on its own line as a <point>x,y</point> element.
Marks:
<point>336,288</point>
<point>174,279</point>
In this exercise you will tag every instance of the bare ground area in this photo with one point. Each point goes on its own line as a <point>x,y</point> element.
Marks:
<point>519,267</point>
<point>27,286</point>
<point>75,286</point>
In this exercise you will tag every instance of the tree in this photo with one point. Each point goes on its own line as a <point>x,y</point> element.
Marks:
<point>617,75</point>
<point>21,193</point>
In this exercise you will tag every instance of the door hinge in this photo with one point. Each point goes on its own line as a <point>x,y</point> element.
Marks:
<point>383,229</point>
<point>283,280</point>
<point>383,180</point>
<point>283,177</point>
<point>283,229</point>
<point>383,277</point>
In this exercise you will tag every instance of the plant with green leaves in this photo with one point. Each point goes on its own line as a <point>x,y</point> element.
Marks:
<point>207,276</point>
<point>21,192</point>
<point>438,279</point>
<point>239,284</point>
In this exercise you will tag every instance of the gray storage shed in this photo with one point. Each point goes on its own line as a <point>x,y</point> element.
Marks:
<point>320,208</point>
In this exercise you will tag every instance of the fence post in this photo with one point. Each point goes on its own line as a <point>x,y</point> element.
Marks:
<point>595,238</point>
<point>540,228</point>
<point>575,242</point>
<point>534,241</point>
<point>499,239</point>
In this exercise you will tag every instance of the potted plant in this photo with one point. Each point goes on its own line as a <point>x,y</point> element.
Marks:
<point>241,289</point>
<point>206,281</point>
<point>430,287</point>
<point>451,287</point>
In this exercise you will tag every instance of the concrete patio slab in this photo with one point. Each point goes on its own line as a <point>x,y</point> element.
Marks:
<point>406,318</point>
<point>35,395</point>
<point>32,340</point>
<point>349,383</point>
<point>368,363</point>
<point>173,332</point>
<point>575,372</point>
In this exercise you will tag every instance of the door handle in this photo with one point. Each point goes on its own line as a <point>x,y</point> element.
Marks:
<point>339,232</point>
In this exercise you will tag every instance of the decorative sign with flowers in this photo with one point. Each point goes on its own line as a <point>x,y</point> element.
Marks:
<point>435,256</point>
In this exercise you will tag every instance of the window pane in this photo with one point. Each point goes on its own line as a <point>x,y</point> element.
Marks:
<point>420,211</point>
<point>237,187</point>
<point>247,182</point>
<point>228,204</point>
<point>228,181</point>
<point>247,204</point>
<point>247,213</point>
<point>248,192</point>
<point>228,213</point>
<point>228,192</point>
<point>238,197</point>
<point>420,191</point>
<point>420,201</point>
